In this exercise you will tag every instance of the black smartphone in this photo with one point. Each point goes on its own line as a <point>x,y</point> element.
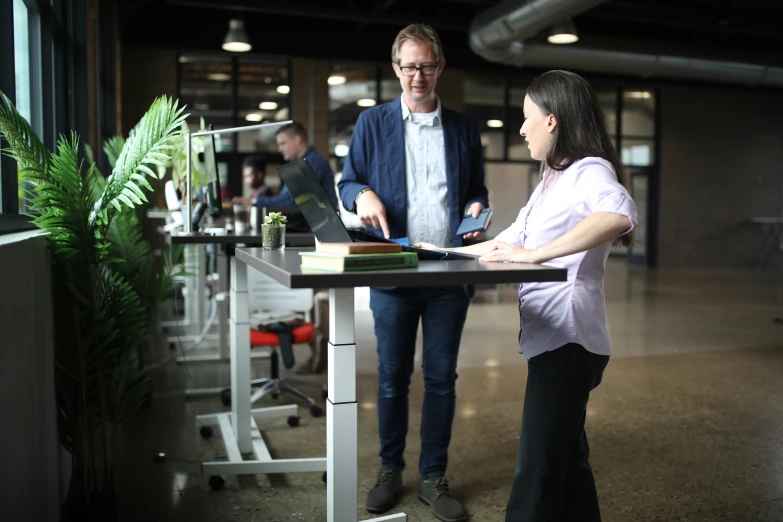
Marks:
<point>479,224</point>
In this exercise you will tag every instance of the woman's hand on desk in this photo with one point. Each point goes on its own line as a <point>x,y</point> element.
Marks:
<point>429,246</point>
<point>512,254</point>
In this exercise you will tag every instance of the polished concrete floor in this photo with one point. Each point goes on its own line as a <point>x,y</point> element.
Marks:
<point>686,426</point>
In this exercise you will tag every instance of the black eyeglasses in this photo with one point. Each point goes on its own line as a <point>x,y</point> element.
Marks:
<point>426,69</point>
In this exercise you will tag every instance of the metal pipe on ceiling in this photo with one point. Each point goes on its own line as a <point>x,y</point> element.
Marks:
<point>498,34</point>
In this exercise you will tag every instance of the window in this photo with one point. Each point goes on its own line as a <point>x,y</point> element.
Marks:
<point>20,79</point>
<point>263,96</point>
<point>485,104</point>
<point>638,128</point>
<point>232,92</point>
<point>352,89</point>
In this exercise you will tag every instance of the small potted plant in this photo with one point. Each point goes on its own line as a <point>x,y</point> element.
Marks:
<point>273,231</point>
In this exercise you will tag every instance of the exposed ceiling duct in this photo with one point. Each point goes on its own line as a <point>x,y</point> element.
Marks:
<point>495,31</point>
<point>498,35</point>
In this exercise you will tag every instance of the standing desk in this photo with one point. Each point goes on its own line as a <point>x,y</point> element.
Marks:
<point>241,434</point>
<point>228,242</point>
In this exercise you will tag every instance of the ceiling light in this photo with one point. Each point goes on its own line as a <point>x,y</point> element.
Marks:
<point>640,94</point>
<point>366,102</point>
<point>254,116</point>
<point>284,89</point>
<point>219,77</point>
<point>267,106</point>
<point>336,79</point>
<point>341,150</point>
<point>563,33</point>
<point>236,38</point>
<point>495,124</point>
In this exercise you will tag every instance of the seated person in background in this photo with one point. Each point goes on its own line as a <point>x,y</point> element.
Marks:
<point>293,145</point>
<point>253,175</point>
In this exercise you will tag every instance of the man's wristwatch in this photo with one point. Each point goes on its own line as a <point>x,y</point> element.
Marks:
<point>360,193</point>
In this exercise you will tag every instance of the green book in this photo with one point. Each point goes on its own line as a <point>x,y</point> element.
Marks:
<point>358,262</point>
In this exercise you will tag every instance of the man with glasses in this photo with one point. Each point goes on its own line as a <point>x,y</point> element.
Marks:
<point>413,171</point>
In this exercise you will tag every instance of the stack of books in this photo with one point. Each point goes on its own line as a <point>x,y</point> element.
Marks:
<point>354,257</point>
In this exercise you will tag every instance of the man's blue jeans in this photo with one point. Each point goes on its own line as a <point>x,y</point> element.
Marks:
<point>396,313</point>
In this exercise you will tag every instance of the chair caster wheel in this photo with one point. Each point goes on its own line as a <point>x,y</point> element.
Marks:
<point>275,395</point>
<point>216,482</point>
<point>293,421</point>
<point>225,397</point>
<point>323,477</point>
<point>172,346</point>
<point>316,410</point>
<point>325,394</point>
<point>206,432</point>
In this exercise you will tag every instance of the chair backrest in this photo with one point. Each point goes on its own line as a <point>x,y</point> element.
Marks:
<point>264,293</point>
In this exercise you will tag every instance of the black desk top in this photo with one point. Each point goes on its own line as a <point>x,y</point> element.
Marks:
<point>251,237</point>
<point>284,267</point>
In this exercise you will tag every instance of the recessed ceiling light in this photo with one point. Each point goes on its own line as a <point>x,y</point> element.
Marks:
<point>336,79</point>
<point>219,77</point>
<point>254,116</point>
<point>284,89</point>
<point>495,124</point>
<point>267,106</point>
<point>366,102</point>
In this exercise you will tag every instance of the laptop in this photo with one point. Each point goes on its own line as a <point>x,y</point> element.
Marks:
<point>327,226</point>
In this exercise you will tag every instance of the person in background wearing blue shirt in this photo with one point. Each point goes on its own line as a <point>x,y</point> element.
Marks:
<point>293,145</point>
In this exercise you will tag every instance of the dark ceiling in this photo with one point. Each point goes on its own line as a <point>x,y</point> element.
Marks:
<point>737,30</point>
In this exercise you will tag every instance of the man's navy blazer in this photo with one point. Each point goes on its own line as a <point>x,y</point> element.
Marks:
<point>376,159</point>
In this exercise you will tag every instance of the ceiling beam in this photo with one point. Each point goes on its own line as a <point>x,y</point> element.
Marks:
<point>320,13</point>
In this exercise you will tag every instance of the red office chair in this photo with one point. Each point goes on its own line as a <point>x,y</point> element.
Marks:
<point>281,335</point>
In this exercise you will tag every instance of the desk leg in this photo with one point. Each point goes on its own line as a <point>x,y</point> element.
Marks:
<point>240,356</point>
<point>201,291</point>
<point>191,281</point>
<point>223,261</point>
<point>341,413</point>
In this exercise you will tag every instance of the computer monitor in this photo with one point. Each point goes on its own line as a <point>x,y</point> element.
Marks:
<point>212,190</point>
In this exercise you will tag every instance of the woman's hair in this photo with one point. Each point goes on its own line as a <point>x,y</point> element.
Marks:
<point>581,126</point>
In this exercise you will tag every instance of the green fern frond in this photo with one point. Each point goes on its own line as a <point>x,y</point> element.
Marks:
<point>147,142</point>
<point>113,148</point>
<point>63,205</point>
<point>24,145</point>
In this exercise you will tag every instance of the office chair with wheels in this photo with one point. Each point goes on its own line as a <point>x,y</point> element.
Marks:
<point>282,320</point>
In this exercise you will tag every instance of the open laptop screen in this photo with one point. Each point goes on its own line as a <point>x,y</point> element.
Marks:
<point>311,199</point>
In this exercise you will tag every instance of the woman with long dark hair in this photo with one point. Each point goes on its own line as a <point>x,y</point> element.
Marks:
<point>580,208</point>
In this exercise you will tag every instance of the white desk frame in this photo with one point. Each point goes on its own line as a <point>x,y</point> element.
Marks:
<point>238,427</point>
<point>342,413</point>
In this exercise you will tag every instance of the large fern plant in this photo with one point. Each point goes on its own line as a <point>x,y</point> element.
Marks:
<point>100,320</point>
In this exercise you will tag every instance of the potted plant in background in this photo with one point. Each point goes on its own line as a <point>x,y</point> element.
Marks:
<point>273,231</point>
<point>100,318</point>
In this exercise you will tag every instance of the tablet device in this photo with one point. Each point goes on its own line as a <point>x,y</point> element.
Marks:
<point>479,224</point>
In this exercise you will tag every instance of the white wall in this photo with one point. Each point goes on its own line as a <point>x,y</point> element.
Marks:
<point>30,486</point>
